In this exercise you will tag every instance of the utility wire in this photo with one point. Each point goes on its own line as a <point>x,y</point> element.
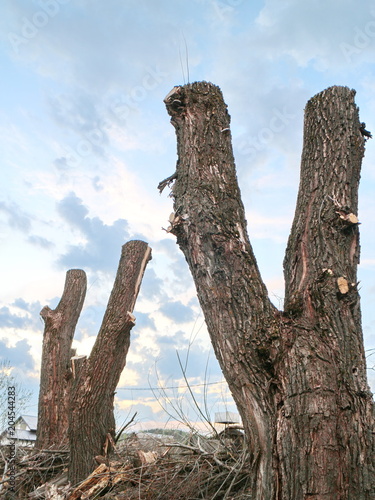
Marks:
<point>162,388</point>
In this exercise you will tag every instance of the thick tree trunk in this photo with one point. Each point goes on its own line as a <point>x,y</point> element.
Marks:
<point>60,325</point>
<point>94,380</point>
<point>298,377</point>
<point>327,403</point>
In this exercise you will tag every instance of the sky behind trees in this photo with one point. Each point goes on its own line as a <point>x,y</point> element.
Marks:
<point>85,140</point>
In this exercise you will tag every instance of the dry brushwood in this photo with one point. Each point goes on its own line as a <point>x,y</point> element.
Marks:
<point>165,472</point>
<point>149,469</point>
<point>37,474</point>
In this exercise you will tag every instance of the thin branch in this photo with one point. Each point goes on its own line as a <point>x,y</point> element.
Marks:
<point>125,427</point>
<point>193,397</point>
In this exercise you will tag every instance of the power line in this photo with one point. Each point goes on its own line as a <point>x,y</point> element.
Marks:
<point>171,387</point>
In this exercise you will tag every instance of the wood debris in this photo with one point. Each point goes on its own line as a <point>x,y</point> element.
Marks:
<point>91,482</point>
<point>103,477</point>
<point>145,466</point>
<point>147,457</point>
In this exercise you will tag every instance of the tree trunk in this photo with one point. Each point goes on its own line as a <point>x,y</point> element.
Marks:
<point>331,401</point>
<point>60,325</point>
<point>94,380</point>
<point>298,376</point>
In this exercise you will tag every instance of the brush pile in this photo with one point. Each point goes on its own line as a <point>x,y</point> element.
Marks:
<point>143,466</point>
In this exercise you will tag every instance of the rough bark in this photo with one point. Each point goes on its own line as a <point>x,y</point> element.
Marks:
<point>94,380</point>
<point>297,376</point>
<point>326,401</point>
<point>60,324</point>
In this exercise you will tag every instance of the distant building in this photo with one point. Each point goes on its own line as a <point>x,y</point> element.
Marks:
<point>227,418</point>
<point>25,432</point>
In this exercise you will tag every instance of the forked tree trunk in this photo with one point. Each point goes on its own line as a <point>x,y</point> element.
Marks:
<point>298,376</point>
<point>60,324</point>
<point>94,380</point>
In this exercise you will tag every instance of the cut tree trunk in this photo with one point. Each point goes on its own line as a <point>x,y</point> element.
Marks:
<point>76,394</point>
<point>327,401</point>
<point>60,325</point>
<point>94,380</point>
<point>298,376</point>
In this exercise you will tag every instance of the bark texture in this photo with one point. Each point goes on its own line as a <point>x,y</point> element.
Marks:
<point>323,373</point>
<point>60,324</point>
<point>298,376</point>
<point>94,380</point>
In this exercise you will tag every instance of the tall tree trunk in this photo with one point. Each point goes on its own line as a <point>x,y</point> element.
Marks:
<point>330,406</point>
<point>94,380</point>
<point>297,376</point>
<point>60,325</point>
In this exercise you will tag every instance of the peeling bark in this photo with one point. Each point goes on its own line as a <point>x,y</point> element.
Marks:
<point>297,376</point>
<point>60,324</point>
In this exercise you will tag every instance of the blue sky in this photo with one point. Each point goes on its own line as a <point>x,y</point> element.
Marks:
<point>85,140</point>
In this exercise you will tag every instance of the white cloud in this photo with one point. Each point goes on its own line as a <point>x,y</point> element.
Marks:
<point>317,32</point>
<point>368,263</point>
<point>273,227</point>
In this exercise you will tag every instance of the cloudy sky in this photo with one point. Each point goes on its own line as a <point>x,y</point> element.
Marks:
<point>85,140</point>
